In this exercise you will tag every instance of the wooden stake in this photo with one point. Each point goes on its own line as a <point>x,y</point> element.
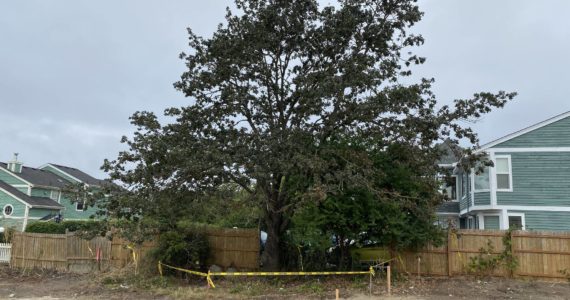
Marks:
<point>388,280</point>
<point>337,294</point>
<point>449,263</point>
<point>370,285</point>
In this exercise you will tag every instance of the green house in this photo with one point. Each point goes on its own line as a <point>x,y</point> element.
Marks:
<point>34,194</point>
<point>528,186</point>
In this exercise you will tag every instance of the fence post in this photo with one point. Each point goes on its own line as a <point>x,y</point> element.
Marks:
<point>388,283</point>
<point>66,247</point>
<point>23,252</point>
<point>419,262</point>
<point>514,236</point>
<point>449,265</point>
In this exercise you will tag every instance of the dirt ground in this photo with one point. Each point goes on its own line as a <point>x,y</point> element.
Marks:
<point>50,285</point>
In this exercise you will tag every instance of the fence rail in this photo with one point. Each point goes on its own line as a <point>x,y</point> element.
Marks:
<point>541,255</point>
<point>238,248</point>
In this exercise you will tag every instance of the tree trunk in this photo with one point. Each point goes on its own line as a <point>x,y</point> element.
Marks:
<point>271,257</point>
<point>342,259</point>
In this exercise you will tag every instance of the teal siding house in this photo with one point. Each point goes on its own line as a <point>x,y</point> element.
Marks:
<point>528,186</point>
<point>33,194</point>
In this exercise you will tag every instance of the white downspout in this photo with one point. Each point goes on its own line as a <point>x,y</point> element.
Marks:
<point>26,214</point>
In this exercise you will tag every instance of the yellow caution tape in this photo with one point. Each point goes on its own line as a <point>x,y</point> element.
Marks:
<point>209,280</point>
<point>210,274</point>
<point>181,270</point>
<point>130,247</point>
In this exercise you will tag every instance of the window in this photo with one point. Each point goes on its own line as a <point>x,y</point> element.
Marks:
<point>464,181</point>
<point>450,188</point>
<point>504,174</point>
<point>482,180</point>
<point>80,206</point>
<point>54,195</point>
<point>516,221</point>
<point>8,210</point>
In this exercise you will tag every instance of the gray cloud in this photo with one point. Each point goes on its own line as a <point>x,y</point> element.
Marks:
<point>72,72</point>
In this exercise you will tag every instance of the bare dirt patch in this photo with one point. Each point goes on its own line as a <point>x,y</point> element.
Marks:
<point>124,285</point>
<point>487,288</point>
<point>39,284</point>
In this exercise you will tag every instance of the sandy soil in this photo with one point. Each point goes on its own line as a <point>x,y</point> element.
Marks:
<point>490,288</point>
<point>50,285</point>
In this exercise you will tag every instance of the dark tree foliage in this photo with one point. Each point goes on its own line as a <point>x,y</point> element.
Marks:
<point>268,91</point>
<point>396,211</point>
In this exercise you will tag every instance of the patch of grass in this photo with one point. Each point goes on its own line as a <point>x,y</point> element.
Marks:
<point>249,288</point>
<point>312,287</point>
<point>359,282</point>
<point>112,280</point>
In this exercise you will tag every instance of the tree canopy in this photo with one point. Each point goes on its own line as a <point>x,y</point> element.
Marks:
<point>273,93</point>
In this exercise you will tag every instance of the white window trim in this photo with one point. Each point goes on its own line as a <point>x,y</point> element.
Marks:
<point>52,193</point>
<point>508,157</point>
<point>470,222</point>
<point>512,214</point>
<point>457,196</point>
<point>462,192</point>
<point>482,219</point>
<point>4,210</point>
<point>77,203</point>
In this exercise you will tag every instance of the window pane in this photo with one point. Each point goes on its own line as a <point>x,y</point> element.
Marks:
<point>503,181</point>
<point>515,221</point>
<point>450,188</point>
<point>482,180</point>
<point>502,165</point>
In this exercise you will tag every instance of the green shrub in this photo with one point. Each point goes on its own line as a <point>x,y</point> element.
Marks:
<point>46,227</point>
<point>59,228</point>
<point>184,247</point>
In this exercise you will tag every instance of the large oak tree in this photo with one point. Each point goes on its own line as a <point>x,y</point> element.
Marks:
<point>267,93</point>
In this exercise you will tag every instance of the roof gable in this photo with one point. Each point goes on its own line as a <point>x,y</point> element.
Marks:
<point>553,132</point>
<point>29,201</point>
<point>36,177</point>
<point>11,178</point>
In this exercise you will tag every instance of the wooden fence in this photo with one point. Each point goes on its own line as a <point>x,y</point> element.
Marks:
<point>238,248</point>
<point>541,255</point>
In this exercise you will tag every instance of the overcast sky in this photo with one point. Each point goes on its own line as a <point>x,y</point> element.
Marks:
<point>72,72</point>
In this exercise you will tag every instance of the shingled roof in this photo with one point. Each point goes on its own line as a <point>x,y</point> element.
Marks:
<point>82,176</point>
<point>38,177</point>
<point>32,201</point>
